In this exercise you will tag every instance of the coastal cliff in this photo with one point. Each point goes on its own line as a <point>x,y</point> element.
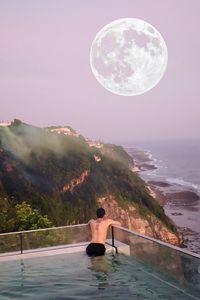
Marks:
<point>133,220</point>
<point>65,177</point>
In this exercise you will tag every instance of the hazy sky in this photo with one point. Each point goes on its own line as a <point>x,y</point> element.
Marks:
<point>45,75</point>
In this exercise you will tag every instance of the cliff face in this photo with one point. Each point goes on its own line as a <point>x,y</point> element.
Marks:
<point>75,182</point>
<point>66,178</point>
<point>132,219</point>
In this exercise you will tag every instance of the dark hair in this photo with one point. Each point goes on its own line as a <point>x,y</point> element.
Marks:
<point>100,212</point>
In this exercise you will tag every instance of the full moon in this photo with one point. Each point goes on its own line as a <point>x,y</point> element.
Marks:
<point>128,57</point>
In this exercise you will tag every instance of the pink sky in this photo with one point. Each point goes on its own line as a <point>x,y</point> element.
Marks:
<point>45,76</point>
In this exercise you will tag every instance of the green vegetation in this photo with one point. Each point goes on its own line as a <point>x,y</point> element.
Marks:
<point>22,217</point>
<point>35,165</point>
<point>28,218</point>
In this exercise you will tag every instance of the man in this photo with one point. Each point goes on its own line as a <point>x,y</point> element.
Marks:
<point>99,229</point>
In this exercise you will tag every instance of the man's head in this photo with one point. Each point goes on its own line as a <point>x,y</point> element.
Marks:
<point>100,212</point>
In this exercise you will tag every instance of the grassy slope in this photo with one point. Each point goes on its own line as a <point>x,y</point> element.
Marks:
<point>35,164</point>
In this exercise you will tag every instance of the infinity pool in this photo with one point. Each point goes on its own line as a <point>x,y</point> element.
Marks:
<point>75,276</point>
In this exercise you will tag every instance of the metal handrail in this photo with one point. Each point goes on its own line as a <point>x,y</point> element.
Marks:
<point>42,229</point>
<point>20,234</point>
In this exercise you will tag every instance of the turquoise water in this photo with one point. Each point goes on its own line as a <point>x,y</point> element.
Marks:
<point>75,276</point>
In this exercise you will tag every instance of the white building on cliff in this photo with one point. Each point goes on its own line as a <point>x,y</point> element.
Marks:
<point>4,124</point>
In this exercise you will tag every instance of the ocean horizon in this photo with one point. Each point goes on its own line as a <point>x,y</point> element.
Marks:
<point>177,161</point>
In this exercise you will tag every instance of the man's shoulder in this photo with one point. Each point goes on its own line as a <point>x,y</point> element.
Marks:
<point>91,221</point>
<point>113,222</point>
<point>108,221</point>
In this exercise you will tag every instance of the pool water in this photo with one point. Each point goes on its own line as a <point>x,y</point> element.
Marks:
<point>76,276</point>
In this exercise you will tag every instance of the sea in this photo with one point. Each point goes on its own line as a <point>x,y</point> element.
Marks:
<point>174,167</point>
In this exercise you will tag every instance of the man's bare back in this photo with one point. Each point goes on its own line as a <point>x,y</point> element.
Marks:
<point>99,228</point>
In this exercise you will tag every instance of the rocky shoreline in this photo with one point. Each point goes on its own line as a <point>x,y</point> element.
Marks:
<point>191,238</point>
<point>176,200</point>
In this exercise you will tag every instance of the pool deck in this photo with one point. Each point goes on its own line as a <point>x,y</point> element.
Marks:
<point>61,249</point>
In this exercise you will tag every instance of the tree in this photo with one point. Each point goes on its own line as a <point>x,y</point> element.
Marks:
<point>28,218</point>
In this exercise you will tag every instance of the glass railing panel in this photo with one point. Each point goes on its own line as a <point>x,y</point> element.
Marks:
<point>109,235</point>
<point>55,237</point>
<point>42,238</point>
<point>169,264</point>
<point>9,242</point>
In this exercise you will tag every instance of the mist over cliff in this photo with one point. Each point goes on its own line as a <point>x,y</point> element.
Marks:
<point>64,177</point>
